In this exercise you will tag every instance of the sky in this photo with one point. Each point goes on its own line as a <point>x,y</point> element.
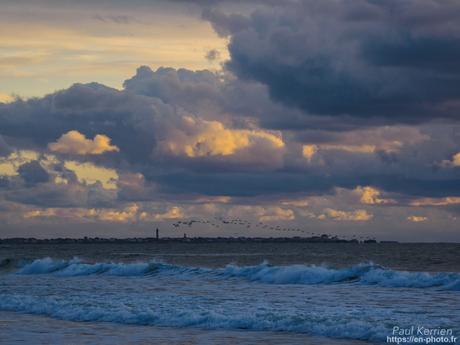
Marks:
<point>301,117</point>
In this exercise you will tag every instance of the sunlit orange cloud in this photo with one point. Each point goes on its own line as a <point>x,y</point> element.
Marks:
<point>371,196</point>
<point>10,164</point>
<point>450,200</point>
<point>73,142</point>
<point>222,199</point>
<point>368,141</point>
<point>125,215</point>
<point>339,215</point>
<point>89,173</point>
<point>200,138</point>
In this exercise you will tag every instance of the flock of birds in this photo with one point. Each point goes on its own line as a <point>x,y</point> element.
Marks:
<point>220,222</point>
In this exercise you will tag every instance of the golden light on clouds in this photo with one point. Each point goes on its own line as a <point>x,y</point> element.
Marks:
<point>450,200</point>
<point>172,213</point>
<point>128,214</point>
<point>9,165</point>
<point>356,215</point>
<point>90,173</point>
<point>73,142</point>
<point>200,138</point>
<point>110,215</point>
<point>371,196</point>
<point>308,151</point>
<point>456,160</point>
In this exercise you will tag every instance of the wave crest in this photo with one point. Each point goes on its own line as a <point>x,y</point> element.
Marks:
<point>364,273</point>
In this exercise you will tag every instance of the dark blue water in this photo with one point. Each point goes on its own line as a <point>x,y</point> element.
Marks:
<point>332,291</point>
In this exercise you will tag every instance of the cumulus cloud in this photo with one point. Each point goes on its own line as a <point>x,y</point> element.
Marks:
<point>128,214</point>
<point>147,122</point>
<point>73,142</point>
<point>453,162</point>
<point>200,138</point>
<point>371,196</point>
<point>339,215</point>
<point>323,108</point>
<point>397,60</point>
<point>90,173</point>
<point>33,173</point>
<point>10,164</point>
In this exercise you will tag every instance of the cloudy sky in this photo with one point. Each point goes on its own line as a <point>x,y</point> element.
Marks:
<point>329,116</point>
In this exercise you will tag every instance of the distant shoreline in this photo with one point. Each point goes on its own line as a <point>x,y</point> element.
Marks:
<point>88,240</point>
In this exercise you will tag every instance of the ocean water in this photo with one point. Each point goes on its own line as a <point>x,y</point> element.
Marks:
<point>225,293</point>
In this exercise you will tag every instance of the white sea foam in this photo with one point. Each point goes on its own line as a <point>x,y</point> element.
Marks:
<point>351,328</point>
<point>365,273</point>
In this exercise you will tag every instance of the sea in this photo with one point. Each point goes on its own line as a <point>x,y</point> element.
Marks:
<point>226,292</point>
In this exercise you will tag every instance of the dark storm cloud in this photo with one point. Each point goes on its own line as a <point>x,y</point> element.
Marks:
<point>285,183</point>
<point>182,87</point>
<point>90,109</point>
<point>62,195</point>
<point>394,60</point>
<point>238,184</point>
<point>212,95</point>
<point>33,173</point>
<point>150,110</point>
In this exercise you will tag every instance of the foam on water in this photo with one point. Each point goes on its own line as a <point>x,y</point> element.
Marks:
<point>357,302</point>
<point>365,273</point>
<point>198,317</point>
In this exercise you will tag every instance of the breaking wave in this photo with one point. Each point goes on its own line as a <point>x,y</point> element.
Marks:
<point>350,328</point>
<point>365,273</point>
